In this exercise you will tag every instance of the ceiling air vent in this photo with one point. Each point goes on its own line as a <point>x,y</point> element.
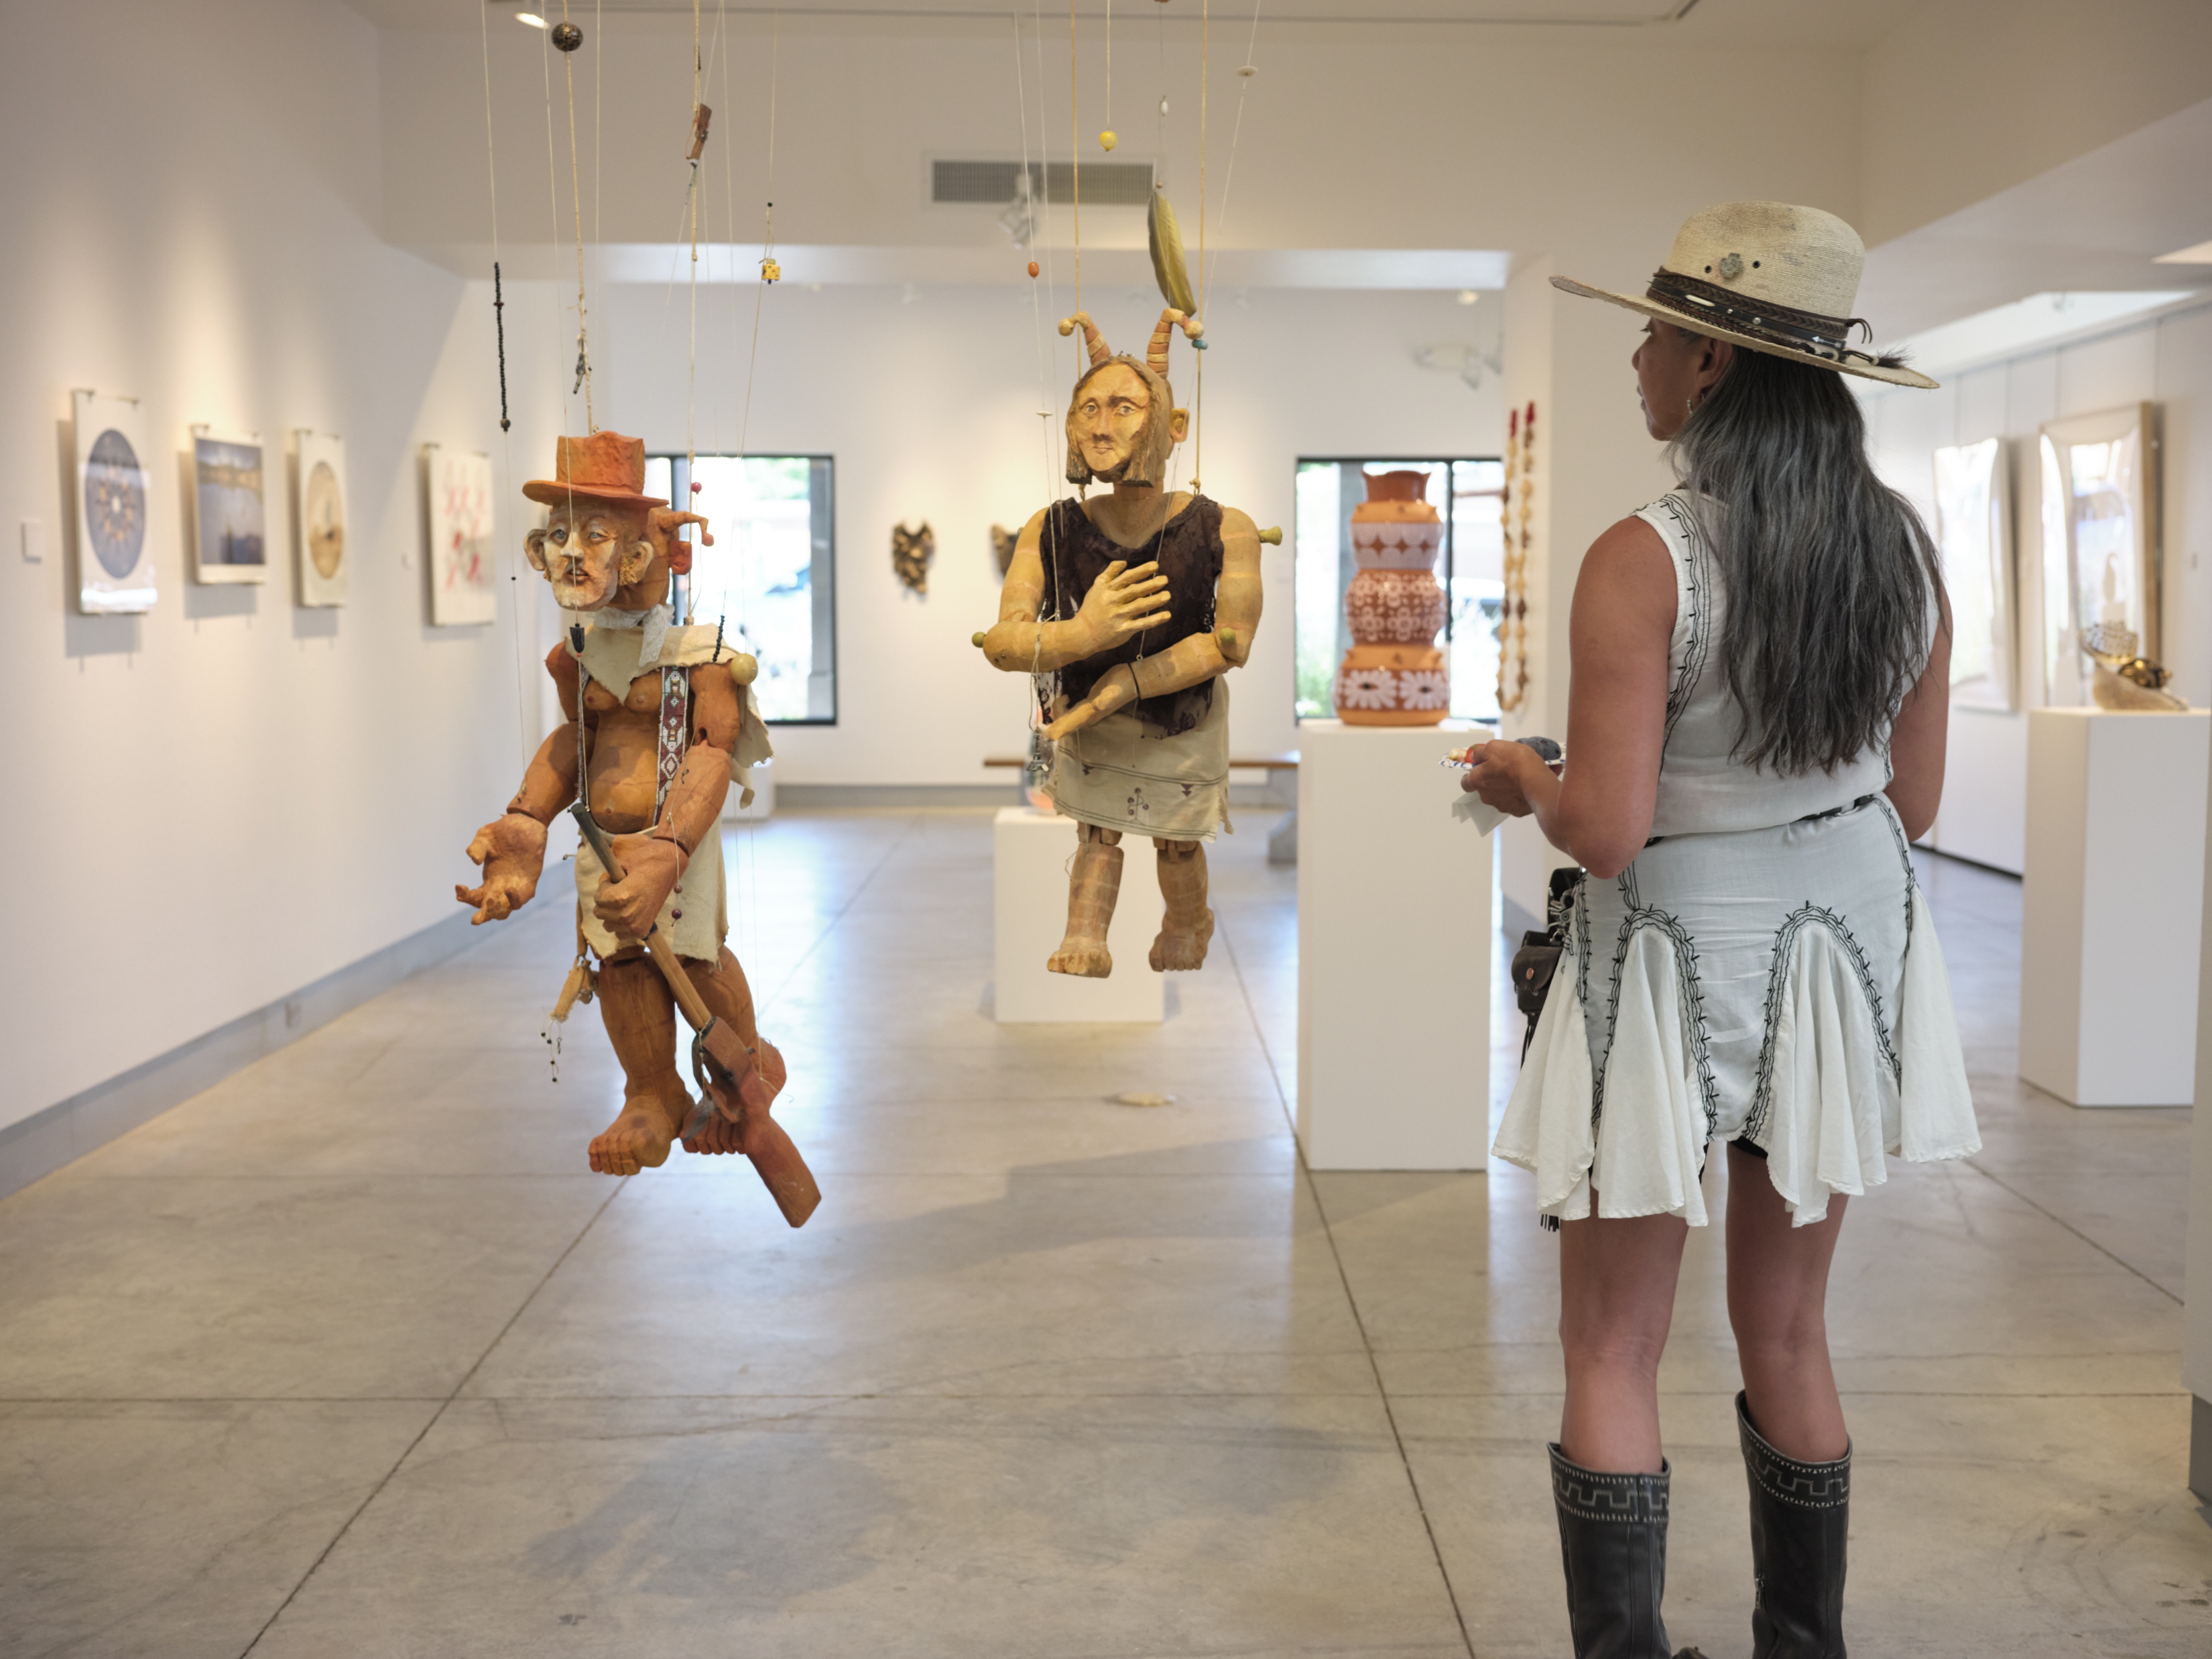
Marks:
<point>994,184</point>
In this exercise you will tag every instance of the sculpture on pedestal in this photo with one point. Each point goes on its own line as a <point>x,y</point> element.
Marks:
<point>1127,610</point>
<point>1393,674</point>
<point>658,718</point>
<point>2124,680</point>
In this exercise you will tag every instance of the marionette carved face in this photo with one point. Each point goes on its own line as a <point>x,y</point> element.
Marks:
<point>589,549</point>
<point>1119,428</point>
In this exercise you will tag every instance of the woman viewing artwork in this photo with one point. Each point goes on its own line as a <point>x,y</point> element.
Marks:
<point>1755,736</point>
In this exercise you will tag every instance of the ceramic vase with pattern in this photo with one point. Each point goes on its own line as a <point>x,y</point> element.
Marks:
<point>1395,675</point>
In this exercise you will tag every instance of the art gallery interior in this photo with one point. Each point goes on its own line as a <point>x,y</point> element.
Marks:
<point>1162,1313</point>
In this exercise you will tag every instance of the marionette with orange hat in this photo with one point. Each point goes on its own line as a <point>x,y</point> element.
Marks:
<point>660,719</point>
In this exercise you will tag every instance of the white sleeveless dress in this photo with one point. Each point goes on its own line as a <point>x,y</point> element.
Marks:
<point>1765,969</point>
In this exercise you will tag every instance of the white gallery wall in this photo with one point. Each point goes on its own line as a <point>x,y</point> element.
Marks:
<point>215,804</point>
<point>2168,361</point>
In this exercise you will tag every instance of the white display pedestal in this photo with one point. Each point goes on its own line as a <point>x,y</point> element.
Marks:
<point>1029,891</point>
<point>2111,900</point>
<point>1393,952</point>
<point>763,806</point>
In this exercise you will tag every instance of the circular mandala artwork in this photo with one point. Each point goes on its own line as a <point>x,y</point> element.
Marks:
<point>115,503</point>
<point>325,517</point>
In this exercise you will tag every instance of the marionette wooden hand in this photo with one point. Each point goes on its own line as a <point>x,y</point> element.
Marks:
<point>650,869</point>
<point>512,851</point>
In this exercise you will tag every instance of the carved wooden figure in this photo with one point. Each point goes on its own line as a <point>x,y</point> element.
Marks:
<point>1135,605</point>
<point>658,719</point>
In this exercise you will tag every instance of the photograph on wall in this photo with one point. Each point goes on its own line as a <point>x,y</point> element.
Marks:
<point>2100,542</point>
<point>319,517</point>
<point>457,482</point>
<point>114,549</point>
<point>229,513</point>
<point>1974,532</point>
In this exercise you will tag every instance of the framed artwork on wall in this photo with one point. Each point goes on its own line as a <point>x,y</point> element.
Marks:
<point>229,511</point>
<point>457,485</point>
<point>319,516</point>
<point>114,543</point>
<point>1974,530</point>
<point>2100,515</point>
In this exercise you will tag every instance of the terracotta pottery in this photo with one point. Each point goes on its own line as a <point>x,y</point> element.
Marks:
<point>1395,675</point>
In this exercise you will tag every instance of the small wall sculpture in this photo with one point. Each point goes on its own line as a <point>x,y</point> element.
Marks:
<point>1003,542</point>
<point>911,552</point>
<point>1394,674</point>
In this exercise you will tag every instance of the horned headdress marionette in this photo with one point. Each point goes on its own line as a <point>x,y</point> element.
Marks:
<point>659,719</point>
<point>1129,608</point>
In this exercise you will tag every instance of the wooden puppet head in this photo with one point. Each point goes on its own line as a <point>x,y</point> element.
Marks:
<point>604,542</point>
<point>1122,423</point>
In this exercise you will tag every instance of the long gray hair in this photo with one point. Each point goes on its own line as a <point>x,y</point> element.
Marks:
<point>1829,573</point>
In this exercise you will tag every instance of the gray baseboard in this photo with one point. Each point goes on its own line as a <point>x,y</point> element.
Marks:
<point>2200,1448</point>
<point>68,1129</point>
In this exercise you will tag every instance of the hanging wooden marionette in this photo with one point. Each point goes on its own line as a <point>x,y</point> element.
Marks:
<point>659,719</point>
<point>1129,609</point>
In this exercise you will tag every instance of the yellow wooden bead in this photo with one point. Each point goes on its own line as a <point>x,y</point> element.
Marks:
<point>744,669</point>
<point>1107,140</point>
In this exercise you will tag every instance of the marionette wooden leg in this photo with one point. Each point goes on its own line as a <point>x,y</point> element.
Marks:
<point>723,986</point>
<point>1092,887</point>
<point>1188,926</point>
<point>641,1020</point>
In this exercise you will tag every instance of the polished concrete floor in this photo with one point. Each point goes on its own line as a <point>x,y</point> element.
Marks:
<point>352,1356</point>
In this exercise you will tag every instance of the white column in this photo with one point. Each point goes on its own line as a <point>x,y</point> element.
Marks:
<point>2112,897</point>
<point>1395,934</point>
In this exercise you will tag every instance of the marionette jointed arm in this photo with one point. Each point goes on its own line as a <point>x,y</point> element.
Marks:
<point>1125,599</point>
<point>1201,657</point>
<point>655,861</point>
<point>512,848</point>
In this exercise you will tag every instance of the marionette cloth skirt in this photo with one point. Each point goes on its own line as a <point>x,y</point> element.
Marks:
<point>1127,773</point>
<point>1782,986</point>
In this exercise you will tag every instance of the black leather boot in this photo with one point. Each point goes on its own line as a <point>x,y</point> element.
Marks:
<point>1800,1515</point>
<point>1612,1541</point>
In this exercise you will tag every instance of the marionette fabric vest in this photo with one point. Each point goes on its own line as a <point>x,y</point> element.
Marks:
<point>1076,552</point>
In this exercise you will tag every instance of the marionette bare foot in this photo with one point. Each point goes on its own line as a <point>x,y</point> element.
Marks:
<point>1092,887</point>
<point>1188,926</point>
<point>640,1137</point>
<point>722,987</point>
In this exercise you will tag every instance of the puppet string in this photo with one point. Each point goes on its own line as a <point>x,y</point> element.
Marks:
<point>514,587</point>
<point>576,191</point>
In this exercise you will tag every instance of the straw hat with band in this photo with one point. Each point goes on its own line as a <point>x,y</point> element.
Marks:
<point>1775,279</point>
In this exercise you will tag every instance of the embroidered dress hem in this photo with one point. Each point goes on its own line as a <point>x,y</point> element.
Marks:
<point>1783,985</point>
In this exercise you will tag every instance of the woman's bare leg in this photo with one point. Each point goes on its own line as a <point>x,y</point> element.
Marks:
<point>1777,1292</point>
<point>1616,1301</point>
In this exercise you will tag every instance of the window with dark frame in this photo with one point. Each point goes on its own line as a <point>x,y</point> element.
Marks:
<point>770,579</point>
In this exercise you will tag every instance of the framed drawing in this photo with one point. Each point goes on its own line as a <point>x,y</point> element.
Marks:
<point>230,518</point>
<point>319,516</point>
<point>1973,526</point>
<point>114,549</point>
<point>456,486</point>
<point>2100,537</point>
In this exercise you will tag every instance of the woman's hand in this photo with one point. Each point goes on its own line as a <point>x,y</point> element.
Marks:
<point>1124,601</point>
<point>1503,773</point>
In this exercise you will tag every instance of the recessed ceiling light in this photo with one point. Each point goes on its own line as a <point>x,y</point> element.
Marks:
<point>530,18</point>
<point>1467,296</point>
<point>2199,255</point>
